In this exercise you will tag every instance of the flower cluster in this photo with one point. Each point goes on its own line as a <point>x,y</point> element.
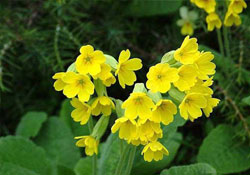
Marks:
<point>186,75</point>
<point>92,72</point>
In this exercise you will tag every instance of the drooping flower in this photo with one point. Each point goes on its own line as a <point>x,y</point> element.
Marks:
<point>138,104</point>
<point>109,80</point>
<point>59,83</point>
<point>190,107</point>
<point>211,103</point>
<point>82,111</point>
<point>102,105</point>
<point>127,128</point>
<point>89,61</point>
<point>126,67</point>
<point>188,51</point>
<point>160,77</point>
<point>78,84</point>
<point>154,151</point>
<point>187,77</point>
<point>213,20</point>
<point>232,19</point>
<point>90,144</point>
<point>202,87</point>
<point>236,6</point>
<point>105,75</point>
<point>207,5</point>
<point>204,66</point>
<point>164,112</point>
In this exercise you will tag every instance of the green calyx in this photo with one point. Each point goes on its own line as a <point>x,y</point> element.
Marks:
<point>100,127</point>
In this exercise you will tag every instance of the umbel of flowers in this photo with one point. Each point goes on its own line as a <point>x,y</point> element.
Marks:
<point>179,83</point>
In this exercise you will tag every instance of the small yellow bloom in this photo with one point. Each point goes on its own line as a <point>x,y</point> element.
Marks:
<point>89,61</point>
<point>211,103</point>
<point>202,87</point>
<point>154,150</point>
<point>59,83</point>
<point>90,144</point>
<point>188,51</point>
<point>82,111</point>
<point>204,66</point>
<point>164,112</point>
<point>125,68</point>
<point>160,77</point>
<point>78,84</point>
<point>138,104</point>
<point>187,29</point>
<point>187,77</point>
<point>207,5</point>
<point>102,105</point>
<point>232,19</point>
<point>127,128</point>
<point>105,70</point>
<point>236,6</point>
<point>109,80</point>
<point>190,107</point>
<point>213,20</point>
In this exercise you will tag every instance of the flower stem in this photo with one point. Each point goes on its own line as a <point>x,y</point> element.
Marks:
<point>225,34</point>
<point>220,42</point>
<point>130,160</point>
<point>122,160</point>
<point>94,157</point>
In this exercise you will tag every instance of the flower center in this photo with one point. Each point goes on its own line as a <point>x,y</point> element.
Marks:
<point>81,82</point>
<point>159,76</point>
<point>138,100</point>
<point>88,59</point>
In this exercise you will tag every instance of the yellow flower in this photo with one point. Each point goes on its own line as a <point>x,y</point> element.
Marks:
<point>187,29</point>
<point>90,144</point>
<point>236,6</point>
<point>138,104</point>
<point>89,61</point>
<point>59,83</point>
<point>125,68</point>
<point>109,80</point>
<point>202,87</point>
<point>164,112</point>
<point>160,77</point>
<point>207,5</point>
<point>232,19</point>
<point>190,107</point>
<point>154,150</point>
<point>213,20</point>
<point>187,77</point>
<point>211,103</point>
<point>102,105</point>
<point>127,128</point>
<point>82,111</point>
<point>105,70</point>
<point>78,84</point>
<point>188,51</point>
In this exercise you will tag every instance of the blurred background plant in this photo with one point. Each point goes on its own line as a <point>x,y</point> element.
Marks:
<point>39,38</point>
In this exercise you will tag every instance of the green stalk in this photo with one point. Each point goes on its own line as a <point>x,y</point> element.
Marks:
<point>220,42</point>
<point>94,157</point>
<point>130,160</point>
<point>122,159</point>
<point>225,34</point>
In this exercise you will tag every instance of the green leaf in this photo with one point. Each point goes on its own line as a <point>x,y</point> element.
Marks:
<point>12,169</point>
<point>84,166</point>
<point>246,100</point>
<point>195,169</point>
<point>21,152</point>
<point>111,61</point>
<point>56,138</point>
<point>30,124</point>
<point>221,151</point>
<point>62,170</point>
<point>142,8</point>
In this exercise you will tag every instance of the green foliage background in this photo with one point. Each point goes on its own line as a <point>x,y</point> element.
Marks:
<point>39,38</point>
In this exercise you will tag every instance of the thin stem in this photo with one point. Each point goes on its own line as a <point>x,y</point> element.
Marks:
<point>90,125</point>
<point>94,157</point>
<point>130,160</point>
<point>225,34</point>
<point>121,161</point>
<point>220,42</point>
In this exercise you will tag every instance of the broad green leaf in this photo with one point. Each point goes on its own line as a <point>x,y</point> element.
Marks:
<point>30,124</point>
<point>111,61</point>
<point>12,169</point>
<point>142,8</point>
<point>62,170</point>
<point>220,150</point>
<point>195,169</point>
<point>84,166</point>
<point>246,100</point>
<point>56,138</point>
<point>19,151</point>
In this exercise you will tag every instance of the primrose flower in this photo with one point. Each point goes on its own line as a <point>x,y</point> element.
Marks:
<point>102,105</point>
<point>187,23</point>
<point>190,107</point>
<point>154,151</point>
<point>109,80</point>
<point>138,104</point>
<point>232,19</point>
<point>78,84</point>
<point>160,77</point>
<point>187,77</point>
<point>202,87</point>
<point>125,69</point>
<point>211,103</point>
<point>207,5</point>
<point>89,61</point>
<point>127,128</point>
<point>164,112</point>
<point>105,70</point>
<point>82,111</point>
<point>90,144</point>
<point>213,20</point>
<point>204,66</point>
<point>188,51</point>
<point>236,6</point>
<point>59,83</point>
